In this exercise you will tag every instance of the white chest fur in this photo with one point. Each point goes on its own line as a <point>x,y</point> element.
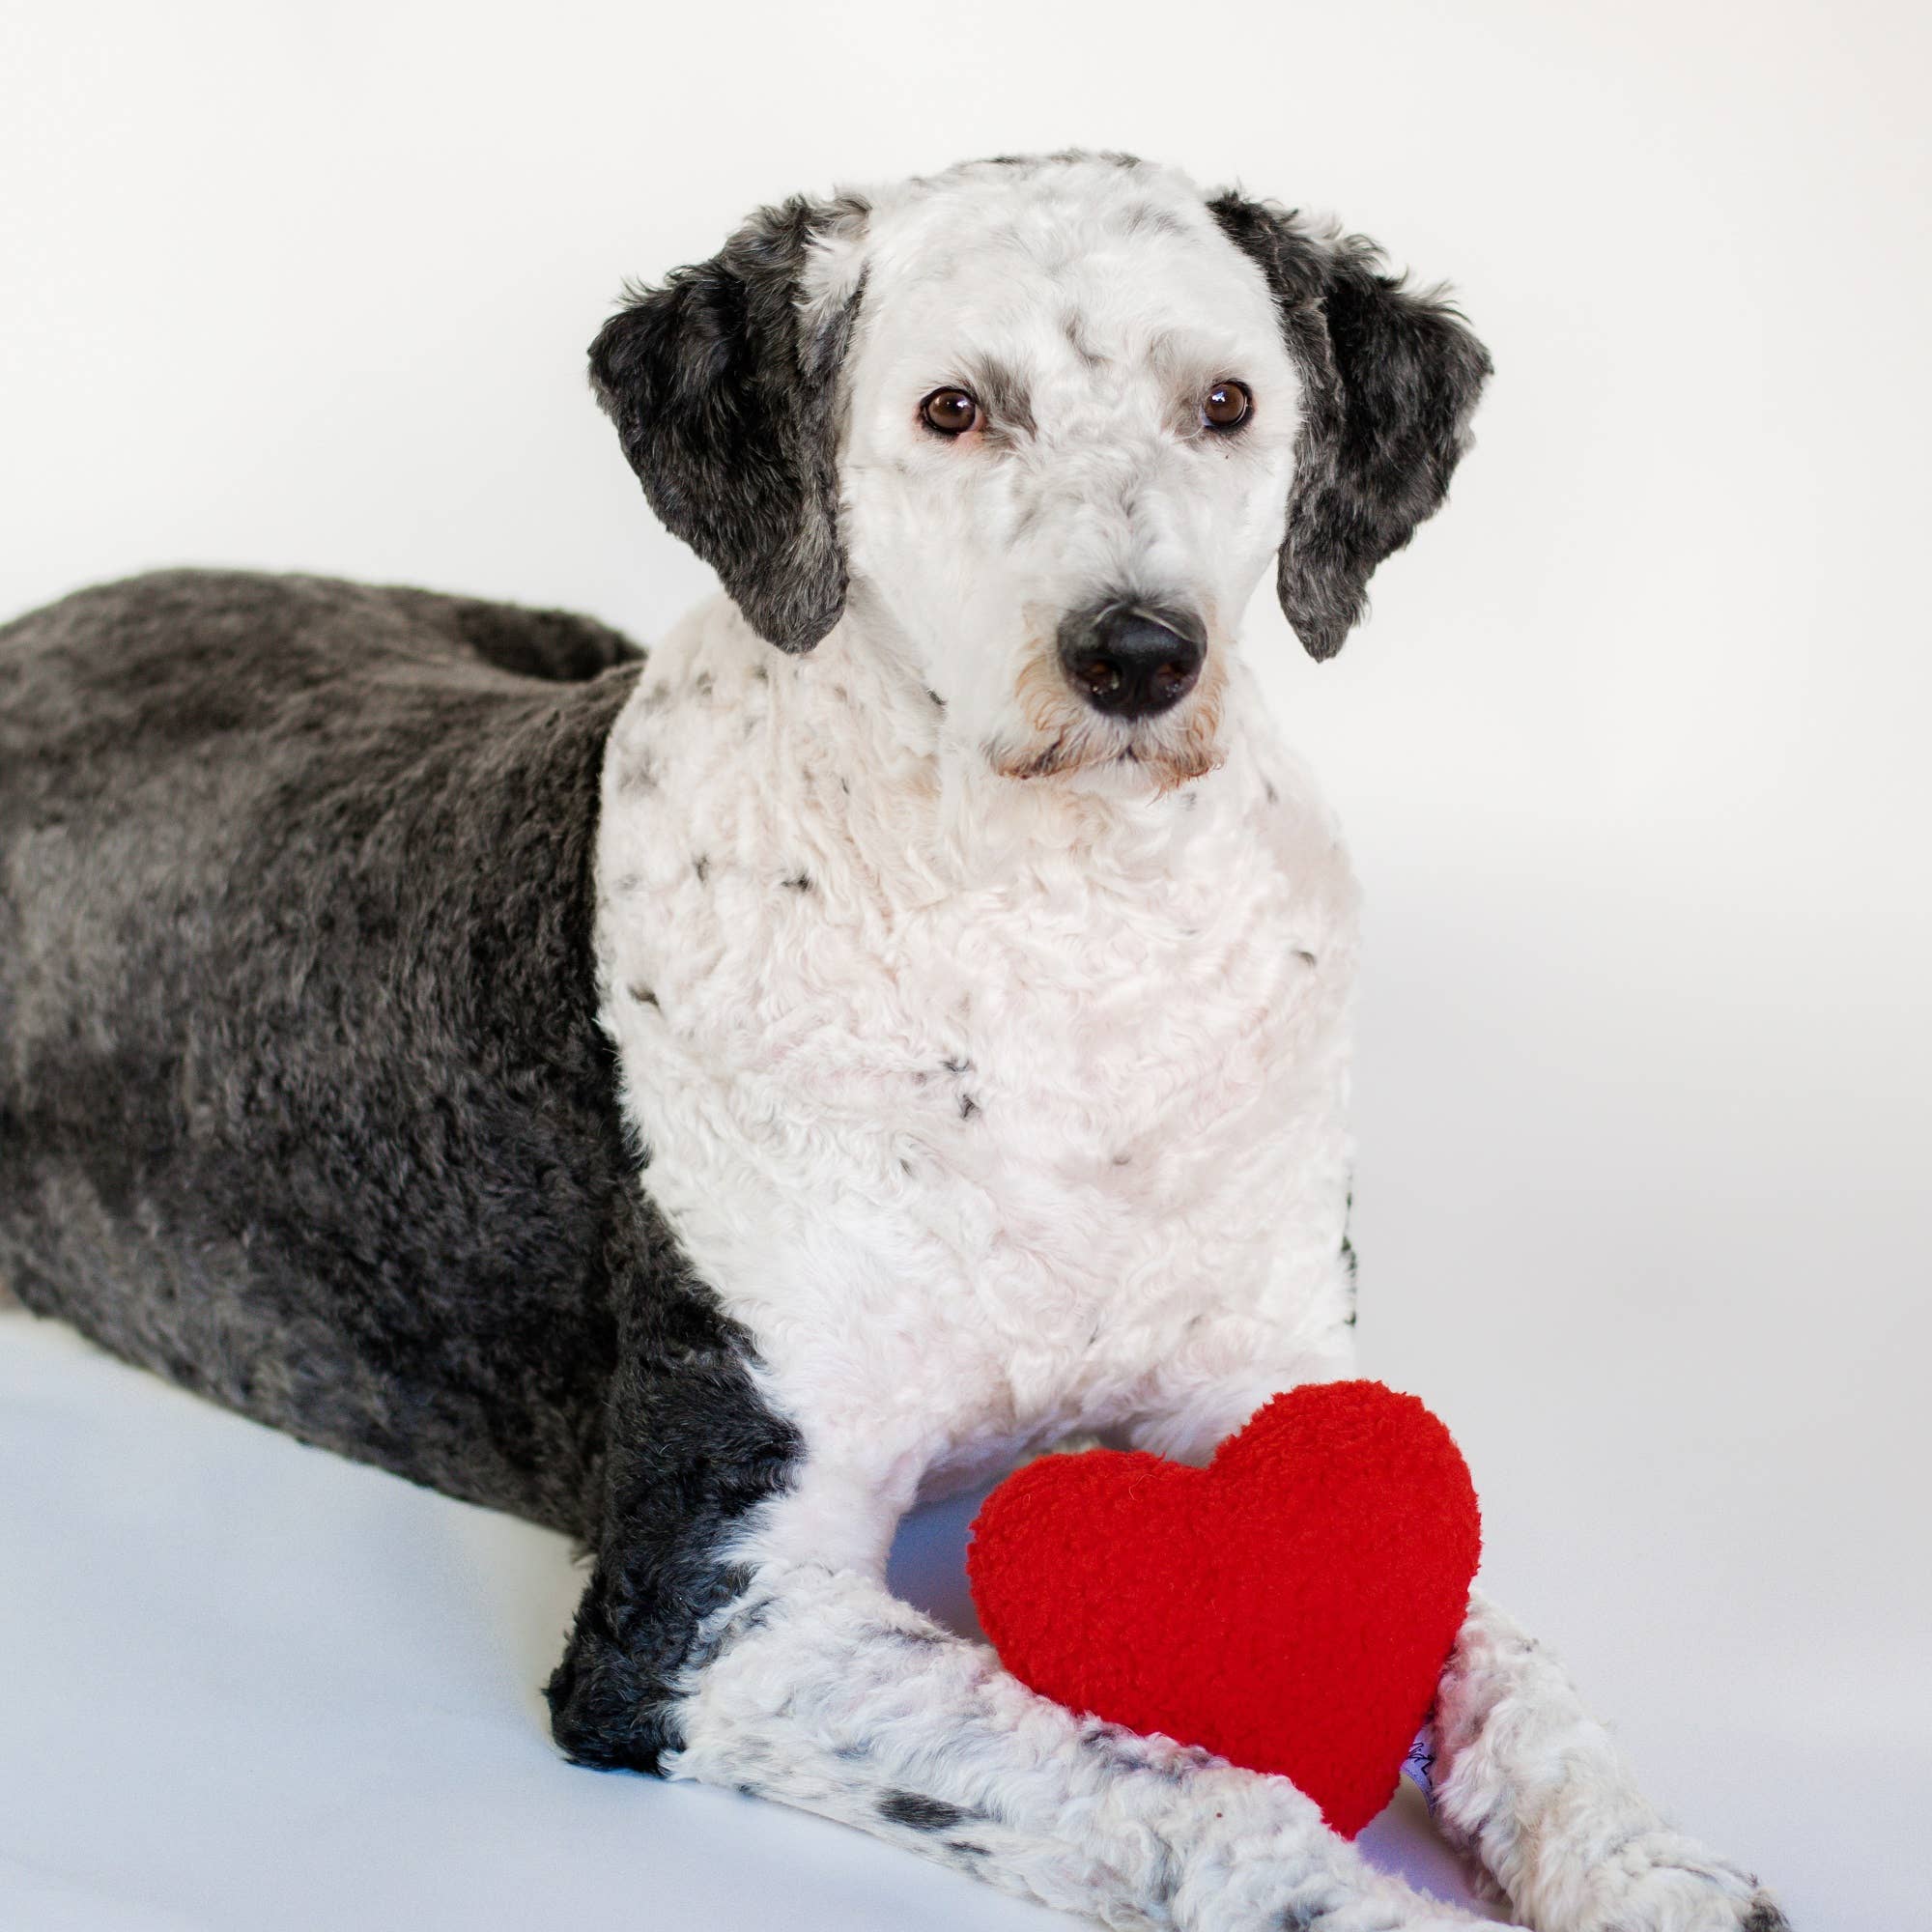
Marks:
<point>992,1110</point>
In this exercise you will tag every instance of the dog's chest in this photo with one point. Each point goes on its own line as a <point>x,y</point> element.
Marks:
<point>971,1157</point>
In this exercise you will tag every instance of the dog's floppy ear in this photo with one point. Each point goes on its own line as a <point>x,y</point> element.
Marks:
<point>1390,378</point>
<point>724,390</point>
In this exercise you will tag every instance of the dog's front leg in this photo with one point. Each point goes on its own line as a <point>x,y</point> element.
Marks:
<point>737,1629</point>
<point>824,1691</point>
<point>1527,1781</point>
<point>1520,1776</point>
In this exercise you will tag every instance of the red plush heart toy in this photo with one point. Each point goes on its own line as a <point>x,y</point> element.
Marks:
<point>1290,1606</point>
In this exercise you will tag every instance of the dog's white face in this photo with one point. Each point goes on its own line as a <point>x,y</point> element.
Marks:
<point>1032,430</point>
<point>1069,435</point>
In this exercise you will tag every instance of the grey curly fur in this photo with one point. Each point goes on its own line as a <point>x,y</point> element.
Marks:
<point>303,1098</point>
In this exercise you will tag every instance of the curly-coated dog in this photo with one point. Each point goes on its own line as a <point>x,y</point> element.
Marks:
<point>707,1100</point>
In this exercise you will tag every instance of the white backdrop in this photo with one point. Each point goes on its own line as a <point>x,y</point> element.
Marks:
<point>1631,757</point>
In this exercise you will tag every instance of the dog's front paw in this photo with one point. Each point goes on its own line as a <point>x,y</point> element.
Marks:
<point>1659,1881</point>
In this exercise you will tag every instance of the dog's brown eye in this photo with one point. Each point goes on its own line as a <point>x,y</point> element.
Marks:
<point>1226,405</point>
<point>951,412</point>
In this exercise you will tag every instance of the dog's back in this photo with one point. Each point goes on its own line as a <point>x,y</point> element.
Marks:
<point>302,1097</point>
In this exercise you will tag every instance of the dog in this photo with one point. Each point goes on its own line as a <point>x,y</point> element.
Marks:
<point>707,1099</point>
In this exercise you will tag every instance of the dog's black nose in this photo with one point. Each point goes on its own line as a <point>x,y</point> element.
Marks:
<point>1133,659</point>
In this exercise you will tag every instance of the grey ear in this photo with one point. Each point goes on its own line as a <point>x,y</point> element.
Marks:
<point>725,398</point>
<point>1391,379</point>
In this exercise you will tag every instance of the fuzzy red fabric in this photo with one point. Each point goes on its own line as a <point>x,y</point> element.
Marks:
<point>1291,1606</point>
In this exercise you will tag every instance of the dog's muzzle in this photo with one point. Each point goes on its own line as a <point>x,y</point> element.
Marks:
<point>1133,659</point>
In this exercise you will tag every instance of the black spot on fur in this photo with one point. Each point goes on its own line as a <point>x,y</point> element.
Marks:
<point>917,1638</point>
<point>726,401</point>
<point>968,1106</point>
<point>1308,1914</point>
<point>1764,1916</point>
<point>938,701</point>
<point>1164,1881</point>
<point>1033,163</point>
<point>1123,1750</point>
<point>643,996</point>
<point>1076,340</point>
<point>921,1813</point>
<point>1348,1261</point>
<point>756,1615</point>
<point>1390,378</point>
<point>1273,796</point>
<point>1002,396</point>
<point>701,868</point>
<point>956,1064</point>
<point>1144,218</point>
<point>798,882</point>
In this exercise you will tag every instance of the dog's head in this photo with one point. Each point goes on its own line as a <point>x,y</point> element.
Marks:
<point>1041,424</point>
